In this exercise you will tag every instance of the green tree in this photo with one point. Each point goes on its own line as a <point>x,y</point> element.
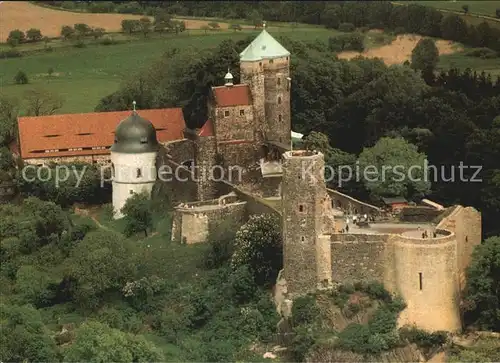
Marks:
<point>256,19</point>
<point>425,55</point>
<point>101,263</point>
<point>34,35</point>
<point>67,32</point>
<point>394,167</point>
<point>214,25</point>
<point>35,286</point>
<point>162,21</point>
<point>483,285</point>
<point>145,26</point>
<point>21,78</point>
<point>23,336</point>
<point>453,27</point>
<point>16,37</point>
<point>9,108</point>
<point>97,32</point>
<point>129,26</point>
<point>82,30</point>
<point>138,214</point>
<point>258,244</point>
<point>96,342</point>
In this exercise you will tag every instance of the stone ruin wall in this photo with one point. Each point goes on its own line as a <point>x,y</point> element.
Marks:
<point>195,222</point>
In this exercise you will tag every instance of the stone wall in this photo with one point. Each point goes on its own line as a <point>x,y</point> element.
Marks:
<point>180,150</point>
<point>425,275</point>
<point>466,224</point>
<point>277,99</point>
<point>418,214</point>
<point>195,223</point>
<point>252,74</point>
<point>177,188</point>
<point>358,257</point>
<point>351,205</point>
<point>233,123</point>
<point>255,205</point>
<point>205,161</point>
<point>89,159</point>
<point>240,157</point>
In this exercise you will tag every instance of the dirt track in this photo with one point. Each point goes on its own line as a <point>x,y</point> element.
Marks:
<point>24,15</point>
<point>399,50</point>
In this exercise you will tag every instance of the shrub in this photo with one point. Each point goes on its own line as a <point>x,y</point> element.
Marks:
<point>21,78</point>
<point>304,310</point>
<point>34,35</point>
<point>302,342</point>
<point>11,53</point>
<point>422,338</point>
<point>346,27</point>
<point>50,71</point>
<point>108,41</point>
<point>80,44</point>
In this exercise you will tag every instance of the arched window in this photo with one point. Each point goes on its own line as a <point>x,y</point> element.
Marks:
<point>280,118</point>
<point>279,100</point>
<point>278,81</point>
<point>139,172</point>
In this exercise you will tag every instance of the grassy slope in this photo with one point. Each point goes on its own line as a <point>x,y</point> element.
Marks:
<point>84,75</point>
<point>479,7</point>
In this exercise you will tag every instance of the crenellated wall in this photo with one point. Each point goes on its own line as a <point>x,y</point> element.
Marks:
<point>351,205</point>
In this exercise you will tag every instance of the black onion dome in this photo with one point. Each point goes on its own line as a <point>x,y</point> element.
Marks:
<point>135,135</point>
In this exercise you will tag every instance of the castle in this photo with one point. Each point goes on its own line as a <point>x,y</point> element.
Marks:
<point>249,127</point>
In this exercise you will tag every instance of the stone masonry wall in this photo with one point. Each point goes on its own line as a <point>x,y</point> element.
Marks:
<point>195,225</point>
<point>90,159</point>
<point>205,171</point>
<point>252,73</point>
<point>277,99</point>
<point>350,205</point>
<point>234,123</point>
<point>466,224</point>
<point>358,257</point>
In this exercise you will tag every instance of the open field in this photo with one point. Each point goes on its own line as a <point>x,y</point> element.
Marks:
<point>82,76</point>
<point>479,7</point>
<point>23,15</point>
<point>400,49</point>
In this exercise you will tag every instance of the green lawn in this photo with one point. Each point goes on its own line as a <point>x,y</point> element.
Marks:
<point>479,7</point>
<point>462,61</point>
<point>84,75</point>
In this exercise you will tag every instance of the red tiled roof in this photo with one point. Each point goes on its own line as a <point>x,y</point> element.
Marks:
<point>207,129</point>
<point>237,95</point>
<point>87,130</point>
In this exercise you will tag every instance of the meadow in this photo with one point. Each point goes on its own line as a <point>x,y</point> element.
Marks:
<point>82,76</point>
<point>479,7</point>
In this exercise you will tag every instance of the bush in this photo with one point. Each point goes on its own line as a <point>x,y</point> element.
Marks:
<point>108,41</point>
<point>346,27</point>
<point>130,8</point>
<point>343,42</point>
<point>21,78</point>
<point>422,338</point>
<point>11,53</point>
<point>304,310</point>
<point>80,44</point>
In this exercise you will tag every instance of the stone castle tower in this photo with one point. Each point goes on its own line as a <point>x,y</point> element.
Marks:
<point>133,158</point>
<point>306,239</point>
<point>265,67</point>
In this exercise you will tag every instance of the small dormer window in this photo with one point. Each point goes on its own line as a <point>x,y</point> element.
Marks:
<point>144,140</point>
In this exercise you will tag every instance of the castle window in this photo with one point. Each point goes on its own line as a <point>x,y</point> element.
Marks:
<point>271,61</point>
<point>286,58</point>
<point>302,238</point>
<point>131,191</point>
<point>301,208</point>
<point>139,172</point>
<point>279,100</point>
<point>260,64</point>
<point>112,169</point>
<point>278,81</point>
<point>280,118</point>
<point>226,113</point>
<point>466,239</point>
<point>420,280</point>
<point>242,112</point>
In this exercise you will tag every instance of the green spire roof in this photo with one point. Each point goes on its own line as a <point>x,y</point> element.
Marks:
<point>263,47</point>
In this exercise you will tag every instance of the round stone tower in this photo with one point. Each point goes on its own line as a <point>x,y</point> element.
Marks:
<point>133,158</point>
